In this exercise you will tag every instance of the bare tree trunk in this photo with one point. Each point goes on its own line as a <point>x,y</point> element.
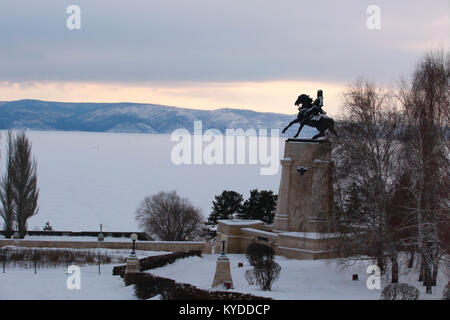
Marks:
<point>422,268</point>
<point>427,278</point>
<point>381,261</point>
<point>411,258</point>
<point>394,261</point>
<point>435,272</point>
<point>427,269</point>
<point>435,265</point>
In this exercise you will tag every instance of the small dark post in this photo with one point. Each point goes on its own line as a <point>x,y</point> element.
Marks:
<point>355,277</point>
<point>99,259</point>
<point>4,259</point>
<point>35,260</point>
<point>67,259</point>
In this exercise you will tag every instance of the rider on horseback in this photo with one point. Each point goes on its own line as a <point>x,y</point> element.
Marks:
<point>310,111</point>
<point>310,114</point>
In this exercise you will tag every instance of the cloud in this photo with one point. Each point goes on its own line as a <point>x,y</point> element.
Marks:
<point>215,41</point>
<point>272,96</point>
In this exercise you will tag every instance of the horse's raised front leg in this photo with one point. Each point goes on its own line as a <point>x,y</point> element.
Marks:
<point>299,129</point>
<point>290,124</point>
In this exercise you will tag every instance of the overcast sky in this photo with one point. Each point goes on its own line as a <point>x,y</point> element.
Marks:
<point>257,54</point>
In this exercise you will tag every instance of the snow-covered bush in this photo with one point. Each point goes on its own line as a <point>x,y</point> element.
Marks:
<point>400,291</point>
<point>265,270</point>
<point>263,274</point>
<point>250,277</point>
<point>259,253</point>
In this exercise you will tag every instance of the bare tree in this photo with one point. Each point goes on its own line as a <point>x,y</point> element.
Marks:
<point>6,191</point>
<point>265,270</point>
<point>24,182</point>
<point>426,154</point>
<point>263,274</point>
<point>366,168</point>
<point>169,217</point>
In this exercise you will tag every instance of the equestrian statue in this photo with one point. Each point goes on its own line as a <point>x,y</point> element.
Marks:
<point>311,114</point>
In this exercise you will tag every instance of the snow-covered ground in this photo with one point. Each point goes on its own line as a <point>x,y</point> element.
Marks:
<point>50,284</point>
<point>299,279</point>
<point>87,179</point>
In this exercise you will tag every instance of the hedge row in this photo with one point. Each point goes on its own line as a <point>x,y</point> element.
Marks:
<point>147,285</point>
<point>53,257</point>
<point>158,261</point>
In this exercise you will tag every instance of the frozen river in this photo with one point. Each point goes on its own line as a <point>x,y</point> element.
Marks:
<point>87,179</point>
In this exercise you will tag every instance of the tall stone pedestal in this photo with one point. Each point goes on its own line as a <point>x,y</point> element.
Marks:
<point>302,226</point>
<point>223,273</point>
<point>305,202</point>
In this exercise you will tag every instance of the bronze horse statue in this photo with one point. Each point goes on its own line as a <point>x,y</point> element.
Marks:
<point>321,123</point>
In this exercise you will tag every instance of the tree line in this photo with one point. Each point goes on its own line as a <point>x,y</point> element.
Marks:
<point>169,217</point>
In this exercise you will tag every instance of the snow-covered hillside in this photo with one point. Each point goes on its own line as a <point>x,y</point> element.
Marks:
<point>131,117</point>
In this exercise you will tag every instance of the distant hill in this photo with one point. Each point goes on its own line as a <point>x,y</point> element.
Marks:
<point>132,117</point>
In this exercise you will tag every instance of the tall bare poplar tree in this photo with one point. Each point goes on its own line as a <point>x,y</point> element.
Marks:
<point>426,154</point>
<point>6,191</point>
<point>24,182</point>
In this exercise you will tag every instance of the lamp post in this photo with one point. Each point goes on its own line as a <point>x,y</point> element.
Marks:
<point>133,261</point>
<point>16,237</point>
<point>101,237</point>
<point>223,238</point>
<point>16,240</point>
<point>134,238</point>
<point>223,273</point>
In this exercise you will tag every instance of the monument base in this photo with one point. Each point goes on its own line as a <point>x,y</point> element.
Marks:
<point>303,223</point>
<point>223,273</point>
<point>133,265</point>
